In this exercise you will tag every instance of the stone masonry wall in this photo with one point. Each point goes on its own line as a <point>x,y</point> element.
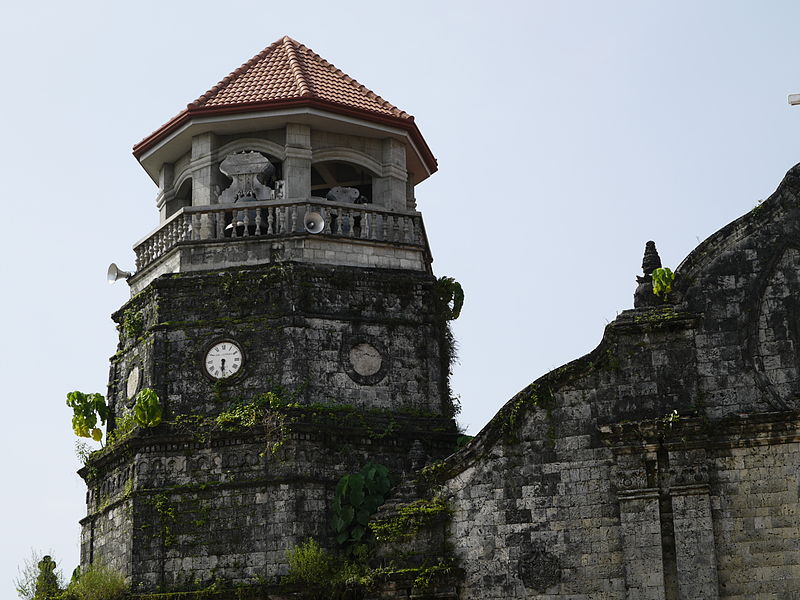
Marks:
<point>663,465</point>
<point>296,326</point>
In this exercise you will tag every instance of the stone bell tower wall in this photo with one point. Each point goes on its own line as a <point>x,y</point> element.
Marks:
<point>300,327</point>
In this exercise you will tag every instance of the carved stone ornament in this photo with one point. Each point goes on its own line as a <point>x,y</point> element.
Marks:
<point>364,359</point>
<point>249,171</point>
<point>343,194</point>
<point>538,569</point>
<point>132,384</point>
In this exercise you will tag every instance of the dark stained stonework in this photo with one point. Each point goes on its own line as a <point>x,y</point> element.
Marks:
<point>665,463</point>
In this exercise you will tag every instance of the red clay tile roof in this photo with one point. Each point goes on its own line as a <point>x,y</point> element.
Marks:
<point>287,69</point>
<point>287,73</point>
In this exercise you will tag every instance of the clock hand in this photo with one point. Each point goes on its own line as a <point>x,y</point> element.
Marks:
<point>222,367</point>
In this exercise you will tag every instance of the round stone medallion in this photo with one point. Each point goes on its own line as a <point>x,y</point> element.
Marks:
<point>365,359</point>
<point>134,378</point>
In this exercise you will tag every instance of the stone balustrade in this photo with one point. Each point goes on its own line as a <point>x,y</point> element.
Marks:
<point>278,218</point>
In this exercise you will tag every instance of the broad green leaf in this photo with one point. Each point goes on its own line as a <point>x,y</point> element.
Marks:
<point>356,494</point>
<point>362,517</point>
<point>337,524</point>
<point>347,514</point>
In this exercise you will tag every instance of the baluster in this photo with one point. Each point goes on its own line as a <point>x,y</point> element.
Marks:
<point>326,218</point>
<point>220,224</point>
<point>246,221</point>
<point>405,233</point>
<point>258,222</point>
<point>270,220</point>
<point>295,219</point>
<point>172,235</point>
<point>383,227</point>
<point>364,225</point>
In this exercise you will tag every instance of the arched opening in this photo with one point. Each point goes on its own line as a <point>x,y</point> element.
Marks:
<point>327,175</point>
<point>183,197</point>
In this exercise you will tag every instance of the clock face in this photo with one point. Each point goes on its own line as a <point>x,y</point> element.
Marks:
<point>223,359</point>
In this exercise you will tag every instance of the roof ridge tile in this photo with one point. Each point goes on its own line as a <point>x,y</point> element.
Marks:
<point>298,72</point>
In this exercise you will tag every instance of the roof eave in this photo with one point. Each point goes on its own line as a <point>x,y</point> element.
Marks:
<point>406,123</point>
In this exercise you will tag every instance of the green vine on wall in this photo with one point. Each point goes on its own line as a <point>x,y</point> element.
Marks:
<point>132,322</point>
<point>410,518</point>
<point>451,296</point>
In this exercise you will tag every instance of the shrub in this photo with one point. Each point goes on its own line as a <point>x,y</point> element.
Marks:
<point>97,583</point>
<point>38,579</point>
<point>309,564</point>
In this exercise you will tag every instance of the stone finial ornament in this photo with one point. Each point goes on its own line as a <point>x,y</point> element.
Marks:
<point>644,296</point>
<point>651,260</point>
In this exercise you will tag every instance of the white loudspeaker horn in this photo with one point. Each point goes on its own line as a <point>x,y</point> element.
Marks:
<point>115,273</point>
<point>313,222</point>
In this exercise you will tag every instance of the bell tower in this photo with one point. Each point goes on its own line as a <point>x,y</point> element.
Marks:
<point>286,315</point>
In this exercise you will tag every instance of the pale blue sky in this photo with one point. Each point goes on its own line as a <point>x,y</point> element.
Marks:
<point>567,133</point>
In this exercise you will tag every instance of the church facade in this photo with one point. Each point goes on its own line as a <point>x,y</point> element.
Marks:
<point>287,316</point>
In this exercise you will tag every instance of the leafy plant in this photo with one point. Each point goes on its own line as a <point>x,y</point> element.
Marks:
<point>309,564</point>
<point>147,411</point>
<point>38,579</point>
<point>87,409</point>
<point>410,518</point>
<point>324,575</point>
<point>451,295</point>
<point>356,499</point>
<point>97,583</point>
<point>662,282</point>
<point>132,322</point>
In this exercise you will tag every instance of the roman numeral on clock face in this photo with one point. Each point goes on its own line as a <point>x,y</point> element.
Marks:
<point>223,359</point>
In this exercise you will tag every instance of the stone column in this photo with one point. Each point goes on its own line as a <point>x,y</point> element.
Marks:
<point>640,522</point>
<point>695,551</point>
<point>204,172</point>
<point>297,164</point>
<point>166,189</point>
<point>204,177</point>
<point>389,190</point>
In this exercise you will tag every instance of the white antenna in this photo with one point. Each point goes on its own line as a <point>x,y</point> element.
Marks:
<point>794,99</point>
